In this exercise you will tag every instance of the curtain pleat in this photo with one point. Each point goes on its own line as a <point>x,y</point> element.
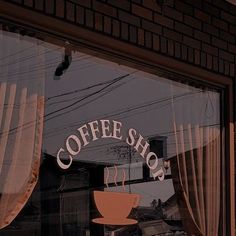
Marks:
<point>6,123</point>
<point>21,122</point>
<point>183,166</point>
<point>199,176</point>
<point>193,184</point>
<point>3,87</point>
<point>200,206</point>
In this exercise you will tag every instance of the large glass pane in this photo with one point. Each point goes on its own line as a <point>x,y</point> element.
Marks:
<point>123,152</point>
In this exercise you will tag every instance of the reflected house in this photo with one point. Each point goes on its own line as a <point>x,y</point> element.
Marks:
<point>154,227</point>
<point>162,219</point>
<point>170,209</point>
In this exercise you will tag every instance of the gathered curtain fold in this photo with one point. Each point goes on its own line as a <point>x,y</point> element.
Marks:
<point>196,175</point>
<point>21,121</point>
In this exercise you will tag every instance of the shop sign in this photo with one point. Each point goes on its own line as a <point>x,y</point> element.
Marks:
<point>103,129</point>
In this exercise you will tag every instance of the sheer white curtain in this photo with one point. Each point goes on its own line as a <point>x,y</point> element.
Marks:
<point>21,120</point>
<point>196,166</point>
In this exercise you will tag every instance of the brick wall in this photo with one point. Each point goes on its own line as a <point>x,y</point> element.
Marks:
<point>202,33</point>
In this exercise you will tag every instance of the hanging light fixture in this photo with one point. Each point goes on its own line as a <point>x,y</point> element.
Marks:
<point>64,65</point>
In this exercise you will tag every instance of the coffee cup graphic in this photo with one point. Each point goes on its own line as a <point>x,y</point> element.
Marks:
<point>115,207</point>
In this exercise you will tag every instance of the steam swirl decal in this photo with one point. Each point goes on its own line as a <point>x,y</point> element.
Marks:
<point>107,175</point>
<point>115,176</point>
<point>123,179</point>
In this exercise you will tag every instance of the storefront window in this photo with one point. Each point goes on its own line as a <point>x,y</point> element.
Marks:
<point>117,151</point>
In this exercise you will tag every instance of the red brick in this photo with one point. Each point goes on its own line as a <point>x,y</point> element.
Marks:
<point>156,42</point>
<point>132,34</point>
<point>226,55</point>
<point>190,55</point>
<point>107,25</point>
<point>209,49</point>
<point>219,23</point>
<point>28,3</point>
<point>182,7</point>
<point>221,66</point>
<point>60,6</point>
<point>124,31</point>
<point>227,37</point>
<point>148,39</point>
<point>70,11</point>
<point>232,8</point>
<point>226,67</point>
<point>162,20</point>
<point>196,56</point>
<point>197,4</point>
<point>177,49</point>
<point>232,29</point>
<point>141,11</point>
<point>163,45</point>
<point>228,17</point>
<point>184,52</point>
<point>149,26</point>
<point>195,23</point>
<point>203,59</point>
<point>89,18</point>
<point>38,4</point>
<point>215,64</point>
<point>169,3</point>
<point>49,6</point>
<point>210,29</point>
<point>141,36</point>
<point>232,48</point>
<point>17,1</point>
<point>79,15</point>
<point>170,47</point>
<point>104,8</point>
<point>202,36</point>
<point>123,4</point>
<point>98,21</point>
<point>202,15</point>
<point>232,69</point>
<point>152,4</point>
<point>172,13</point>
<point>172,35</point>
<point>219,43</point>
<point>210,9</point>
<point>182,28</point>
<point>84,3</point>
<point>116,28</point>
<point>136,1</point>
<point>209,61</point>
<point>128,18</point>
<point>191,42</point>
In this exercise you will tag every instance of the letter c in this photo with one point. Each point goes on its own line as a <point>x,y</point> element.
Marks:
<point>77,142</point>
<point>60,163</point>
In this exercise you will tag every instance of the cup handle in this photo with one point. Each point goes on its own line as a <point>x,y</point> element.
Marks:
<point>136,201</point>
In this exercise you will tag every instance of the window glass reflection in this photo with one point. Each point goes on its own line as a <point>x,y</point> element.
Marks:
<point>109,187</point>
